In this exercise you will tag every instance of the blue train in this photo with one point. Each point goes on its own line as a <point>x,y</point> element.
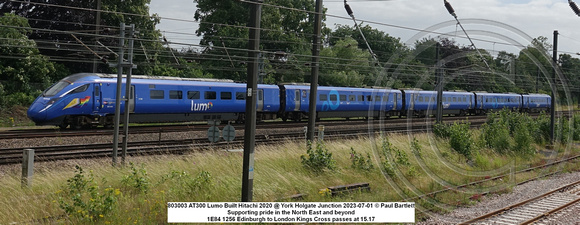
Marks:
<point>87,100</point>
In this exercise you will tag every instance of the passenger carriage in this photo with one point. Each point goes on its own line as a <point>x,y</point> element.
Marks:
<point>489,102</point>
<point>421,103</point>
<point>341,102</point>
<point>535,102</point>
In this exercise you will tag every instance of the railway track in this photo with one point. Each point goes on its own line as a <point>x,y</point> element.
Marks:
<point>61,152</point>
<point>534,209</point>
<point>53,132</point>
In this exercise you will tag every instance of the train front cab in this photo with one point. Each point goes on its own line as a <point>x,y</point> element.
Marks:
<point>71,101</point>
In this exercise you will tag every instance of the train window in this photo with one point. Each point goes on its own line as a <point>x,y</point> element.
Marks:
<point>454,99</point>
<point>297,96</point>
<point>420,98</point>
<point>210,95</point>
<point>342,98</point>
<point>175,94</point>
<point>97,90</point>
<point>226,95</point>
<point>352,98</point>
<point>333,98</point>
<point>193,95</point>
<point>260,94</point>
<point>386,98</point>
<point>323,97</point>
<point>54,89</point>
<point>377,98</point>
<point>157,94</point>
<point>464,99</point>
<point>242,95</point>
<point>303,94</point>
<point>369,98</point>
<point>361,98</point>
<point>80,89</point>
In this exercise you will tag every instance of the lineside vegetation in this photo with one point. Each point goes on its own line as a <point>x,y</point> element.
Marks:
<point>397,167</point>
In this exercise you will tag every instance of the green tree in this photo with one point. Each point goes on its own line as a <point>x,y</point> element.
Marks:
<point>382,44</point>
<point>534,59</point>
<point>55,21</point>
<point>223,27</point>
<point>571,69</point>
<point>340,64</point>
<point>23,69</point>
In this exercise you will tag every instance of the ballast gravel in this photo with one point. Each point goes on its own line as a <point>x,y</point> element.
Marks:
<point>520,193</point>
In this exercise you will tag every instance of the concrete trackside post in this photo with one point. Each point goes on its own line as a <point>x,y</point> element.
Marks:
<point>27,167</point>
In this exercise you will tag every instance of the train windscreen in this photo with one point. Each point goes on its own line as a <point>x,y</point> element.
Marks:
<point>54,89</point>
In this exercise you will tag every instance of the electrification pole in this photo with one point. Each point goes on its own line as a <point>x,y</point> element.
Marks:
<point>251,92</point>
<point>553,87</point>
<point>314,71</point>
<point>128,94</point>
<point>439,73</point>
<point>120,65</point>
<point>118,94</point>
<point>97,32</point>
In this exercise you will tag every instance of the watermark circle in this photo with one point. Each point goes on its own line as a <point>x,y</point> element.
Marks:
<point>440,168</point>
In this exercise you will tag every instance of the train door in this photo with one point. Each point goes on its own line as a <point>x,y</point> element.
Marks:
<point>296,100</point>
<point>394,97</point>
<point>412,102</point>
<point>97,97</point>
<point>260,100</point>
<point>470,101</point>
<point>132,99</point>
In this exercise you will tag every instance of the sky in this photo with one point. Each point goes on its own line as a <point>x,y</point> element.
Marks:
<point>493,25</point>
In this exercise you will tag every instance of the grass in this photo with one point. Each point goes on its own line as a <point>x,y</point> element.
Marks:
<point>140,190</point>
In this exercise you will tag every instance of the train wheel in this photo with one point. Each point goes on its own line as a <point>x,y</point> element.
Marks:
<point>79,123</point>
<point>63,126</point>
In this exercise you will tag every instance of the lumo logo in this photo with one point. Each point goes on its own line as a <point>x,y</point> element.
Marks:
<point>197,107</point>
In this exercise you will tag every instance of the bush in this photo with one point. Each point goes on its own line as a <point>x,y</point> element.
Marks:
<point>496,136</point>
<point>523,141</point>
<point>137,179</point>
<point>82,197</point>
<point>360,162</point>
<point>562,130</point>
<point>542,129</point>
<point>318,159</point>
<point>460,139</point>
<point>441,130</point>
<point>388,168</point>
<point>416,147</point>
<point>576,126</point>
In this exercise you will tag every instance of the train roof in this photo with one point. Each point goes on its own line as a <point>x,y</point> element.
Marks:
<point>536,95</point>
<point>143,79</point>
<point>496,94</point>
<point>327,88</point>
<point>435,92</point>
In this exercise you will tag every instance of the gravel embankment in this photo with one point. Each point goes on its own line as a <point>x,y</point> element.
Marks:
<point>520,193</point>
